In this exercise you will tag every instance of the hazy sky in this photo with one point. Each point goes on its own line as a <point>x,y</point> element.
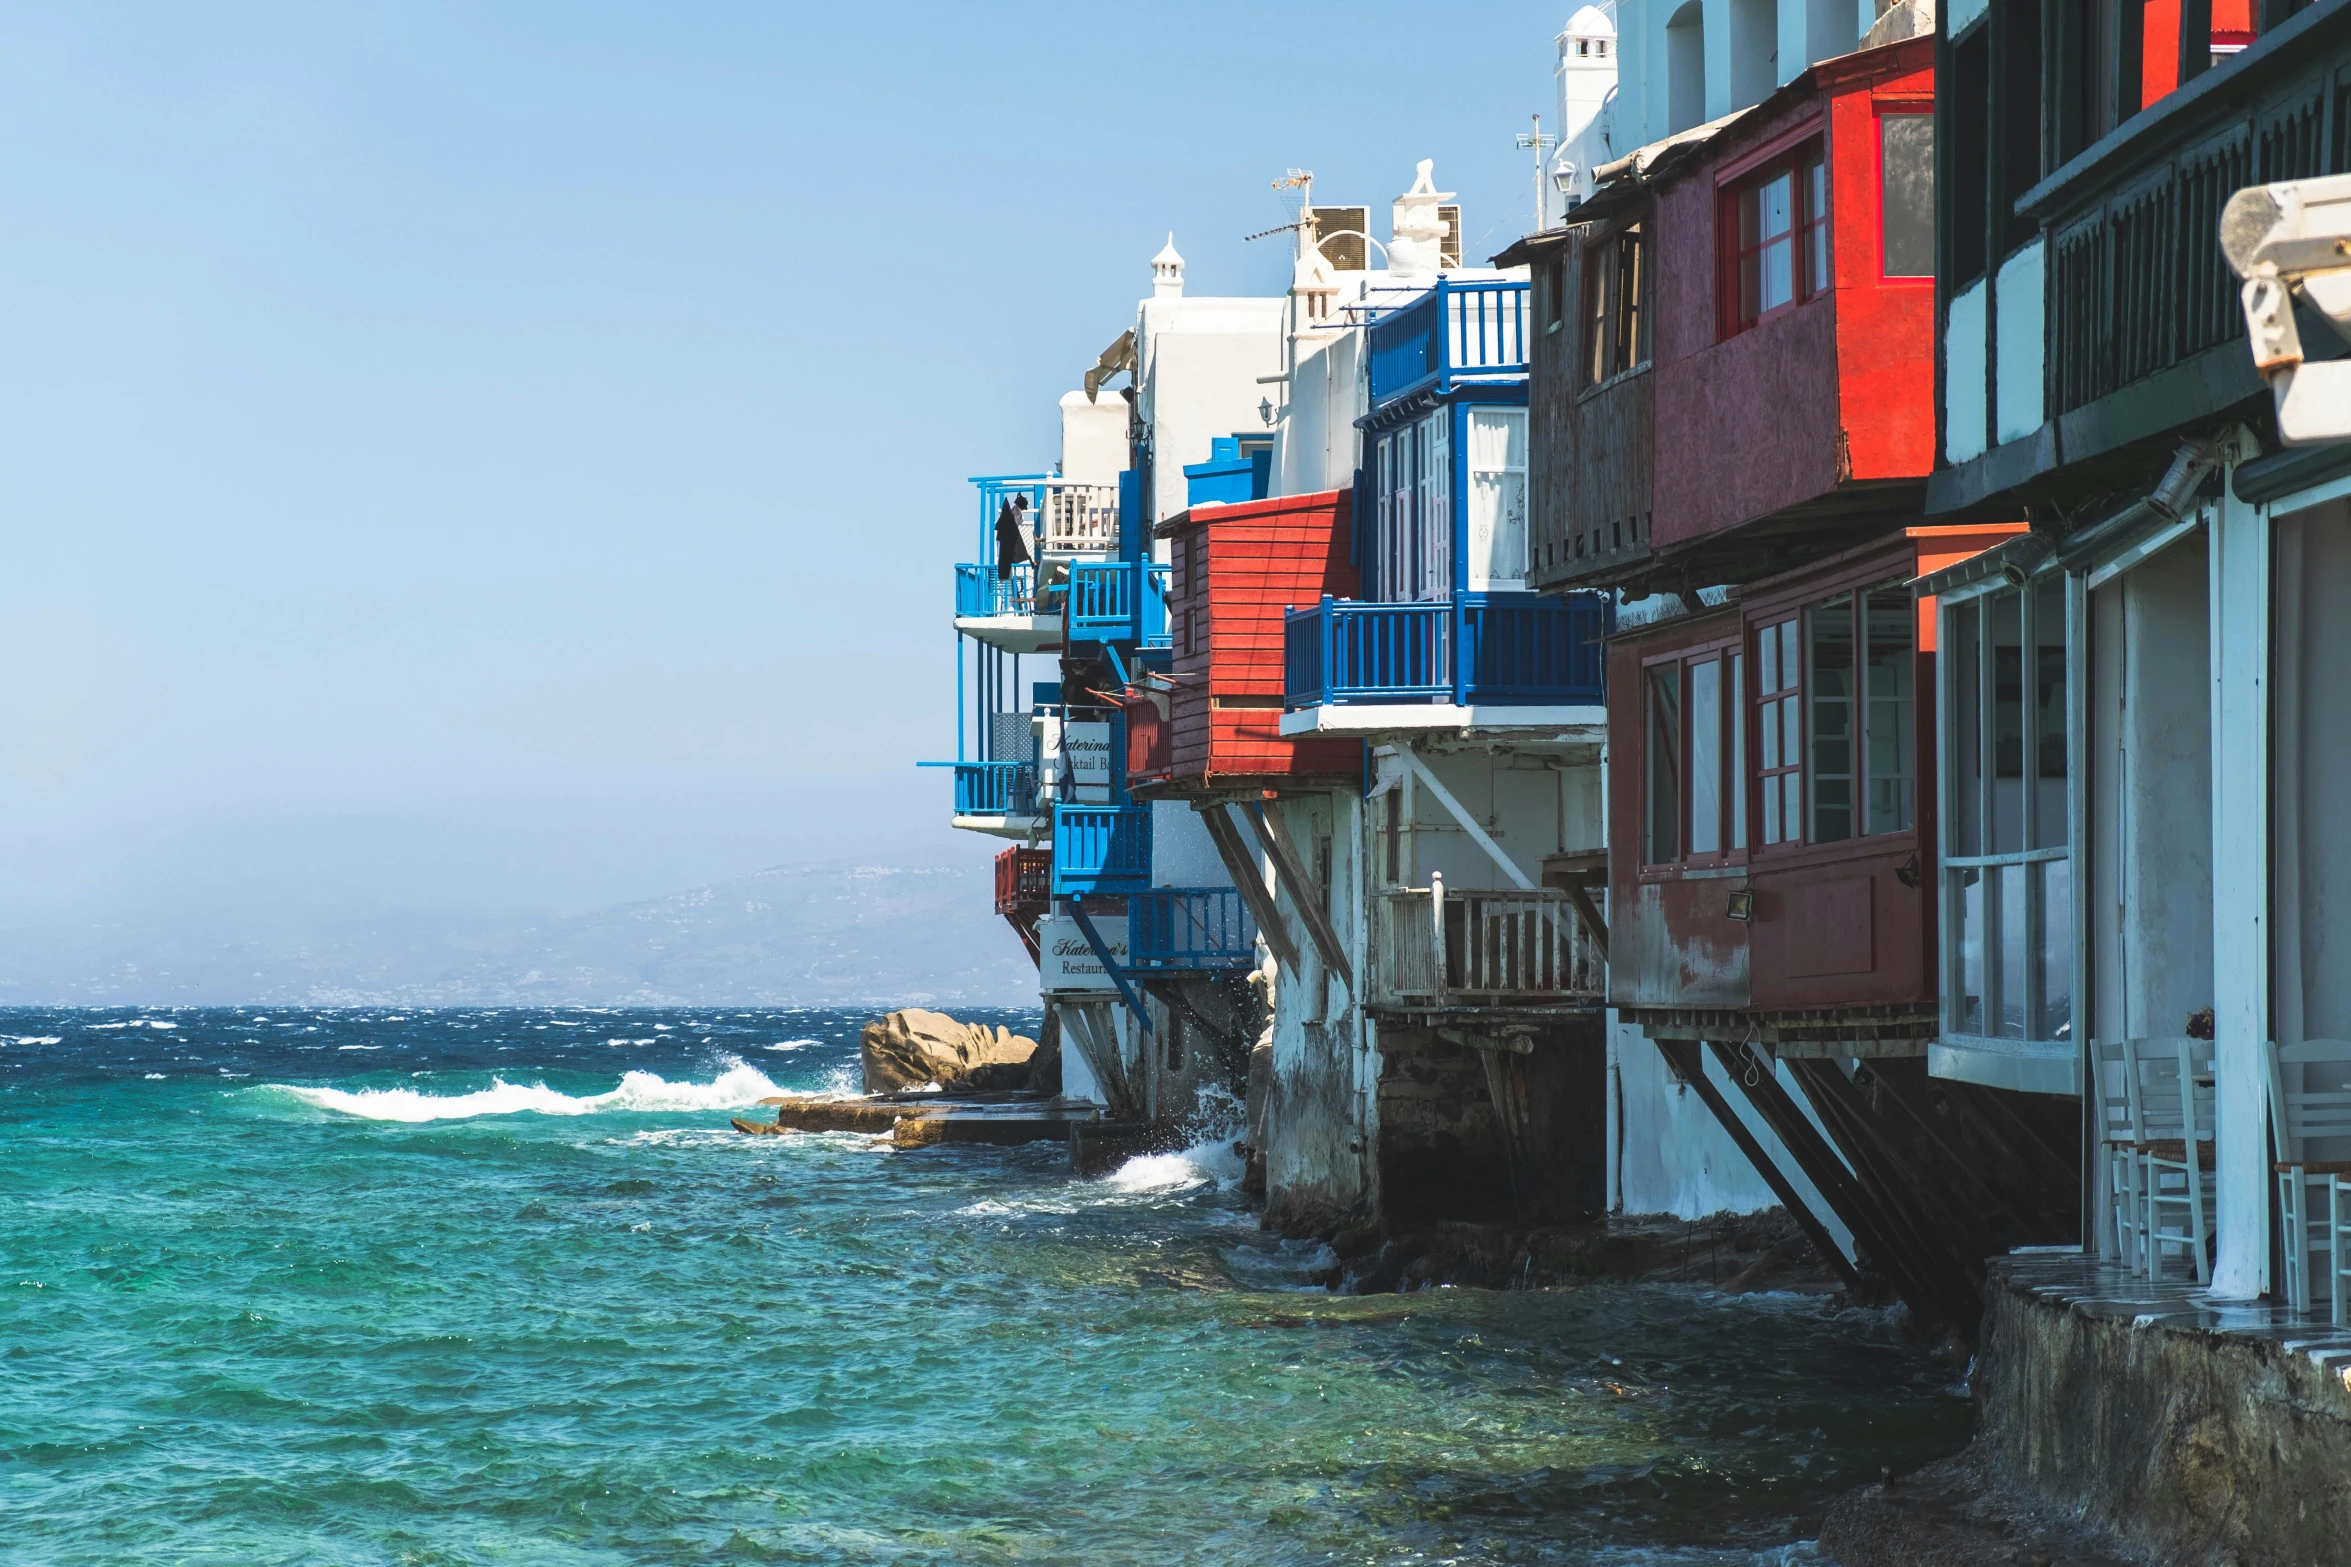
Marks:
<point>514,454</point>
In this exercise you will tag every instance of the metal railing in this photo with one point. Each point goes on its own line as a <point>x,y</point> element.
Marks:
<point>1436,947</point>
<point>995,788</point>
<point>980,594</point>
<point>1457,330</point>
<point>1106,606</point>
<point>1509,648</point>
<point>1024,882</point>
<point>1190,928</point>
<point>1101,848</point>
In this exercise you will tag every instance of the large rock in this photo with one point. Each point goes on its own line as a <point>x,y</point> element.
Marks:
<point>914,1048</point>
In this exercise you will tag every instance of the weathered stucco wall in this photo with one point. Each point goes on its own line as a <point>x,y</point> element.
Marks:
<point>1316,1134</point>
<point>2200,1447</point>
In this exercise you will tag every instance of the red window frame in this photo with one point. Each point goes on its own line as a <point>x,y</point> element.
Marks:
<point>1732,831</point>
<point>1805,167</point>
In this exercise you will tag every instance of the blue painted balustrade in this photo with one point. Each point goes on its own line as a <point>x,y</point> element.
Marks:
<point>1101,849</point>
<point>981,594</point>
<point>1173,928</point>
<point>1507,648</point>
<point>995,788</point>
<point>1456,331</point>
<point>1118,601</point>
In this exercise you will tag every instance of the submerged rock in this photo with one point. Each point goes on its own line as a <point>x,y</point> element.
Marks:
<point>914,1048</point>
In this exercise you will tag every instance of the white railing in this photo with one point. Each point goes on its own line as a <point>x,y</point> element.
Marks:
<point>1439,947</point>
<point>1079,519</point>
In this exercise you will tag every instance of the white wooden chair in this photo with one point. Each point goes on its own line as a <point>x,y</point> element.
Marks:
<point>2172,1079</point>
<point>2118,1139</point>
<point>2310,1131</point>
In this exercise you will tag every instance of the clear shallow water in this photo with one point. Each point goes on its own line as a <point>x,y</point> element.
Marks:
<point>503,1287</point>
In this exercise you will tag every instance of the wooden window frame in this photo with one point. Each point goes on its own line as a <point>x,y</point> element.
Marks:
<point>1735,830</point>
<point>1610,351</point>
<point>1855,587</point>
<point>1807,235</point>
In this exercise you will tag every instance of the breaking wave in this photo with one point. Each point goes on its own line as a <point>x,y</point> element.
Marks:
<point>738,1087</point>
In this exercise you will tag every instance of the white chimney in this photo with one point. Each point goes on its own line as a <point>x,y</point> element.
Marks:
<point>1416,227</point>
<point>1167,272</point>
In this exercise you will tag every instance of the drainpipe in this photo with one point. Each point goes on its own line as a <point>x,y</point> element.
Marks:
<point>2173,498</point>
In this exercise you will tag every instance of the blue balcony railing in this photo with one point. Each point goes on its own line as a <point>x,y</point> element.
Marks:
<point>1455,331</point>
<point>1101,849</point>
<point>981,594</point>
<point>995,788</point>
<point>1106,606</point>
<point>1505,648</point>
<point>1189,928</point>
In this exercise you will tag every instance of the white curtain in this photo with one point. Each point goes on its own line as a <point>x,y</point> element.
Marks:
<point>1497,498</point>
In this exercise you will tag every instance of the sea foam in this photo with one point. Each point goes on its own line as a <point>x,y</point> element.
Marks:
<point>737,1087</point>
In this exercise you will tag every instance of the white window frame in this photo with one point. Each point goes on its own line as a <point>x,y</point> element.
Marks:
<point>1950,863</point>
<point>1482,577</point>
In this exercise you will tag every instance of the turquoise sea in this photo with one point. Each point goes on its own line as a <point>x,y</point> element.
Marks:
<point>369,1286</point>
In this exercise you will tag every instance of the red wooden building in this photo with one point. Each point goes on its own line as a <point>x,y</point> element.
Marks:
<point>1236,568</point>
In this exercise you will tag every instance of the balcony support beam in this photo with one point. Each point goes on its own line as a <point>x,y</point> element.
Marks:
<point>1469,824</point>
<point>1118,977</point>
<point>1305,893</point>
<point>1249,878</point>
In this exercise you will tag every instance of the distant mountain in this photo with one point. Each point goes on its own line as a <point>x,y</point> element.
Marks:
<point>841,934</point>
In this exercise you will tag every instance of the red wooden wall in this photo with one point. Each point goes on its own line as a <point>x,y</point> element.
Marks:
<point>1838,389</point>
<point>1237,568</point>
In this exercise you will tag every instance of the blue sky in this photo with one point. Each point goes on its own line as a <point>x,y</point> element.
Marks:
<point>512,455</point>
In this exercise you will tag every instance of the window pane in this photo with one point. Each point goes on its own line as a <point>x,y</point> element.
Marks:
<point>1791,736</point>
<point>1792,802</point>
<point>1774,206</point>
<point>1706,757</point>
<point>1771,807</point>
<point>1778,282</point>
<point>1906,144</point>
<point>1891,743</point>
<point>2049,820</point>
<point>2004,611</point>
<point>1750,285</point>
<point>1771,735</point>
<point>1737,703</point>
<point>1788,661</point>
<point>1969,1008</point>
<point>1665,765</point>
<point>2056,954</point>
<point>1829,684</point>
<point>2012,950</point>
<point>1964,652</point>
<point>1767,663</point>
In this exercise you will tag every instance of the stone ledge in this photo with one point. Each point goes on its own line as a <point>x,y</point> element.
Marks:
<point>2199,1431</point>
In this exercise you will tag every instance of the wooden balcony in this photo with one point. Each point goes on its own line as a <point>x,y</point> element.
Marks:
<point>1189,929</point>
<point>1118,601</point>
<point>1457,331</point>
<point>1102,849</point>
<point>2140,338</point>
<point>1024,883</point>
<point>1503,648</point>
<point>1489,949</point>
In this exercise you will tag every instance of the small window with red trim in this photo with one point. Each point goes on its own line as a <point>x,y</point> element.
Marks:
<point>1776,229</point>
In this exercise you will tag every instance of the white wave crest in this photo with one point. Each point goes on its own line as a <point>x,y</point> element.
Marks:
<point>738,1087</point>
<point>40,1039</point>
<point>1208,1163</point>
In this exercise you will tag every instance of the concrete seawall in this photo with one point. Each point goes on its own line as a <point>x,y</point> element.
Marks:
<point>2200,1433</point>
